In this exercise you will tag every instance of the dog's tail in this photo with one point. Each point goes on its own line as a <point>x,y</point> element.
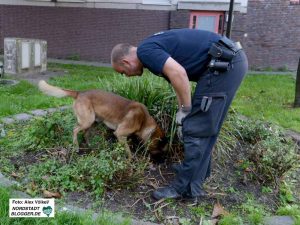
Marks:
<point>56,91</point>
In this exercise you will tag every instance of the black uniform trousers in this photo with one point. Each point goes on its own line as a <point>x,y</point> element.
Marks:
<point>201,129</point>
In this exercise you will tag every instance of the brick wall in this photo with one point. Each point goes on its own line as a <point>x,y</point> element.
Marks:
<point>273,33</point>
<point>179,19</point>
<point>89,33</point>
<point>271,28</point>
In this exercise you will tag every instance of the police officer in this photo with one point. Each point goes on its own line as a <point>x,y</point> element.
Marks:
<point>218,65</point>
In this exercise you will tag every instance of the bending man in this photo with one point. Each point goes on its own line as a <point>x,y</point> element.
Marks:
<point>218,65</point>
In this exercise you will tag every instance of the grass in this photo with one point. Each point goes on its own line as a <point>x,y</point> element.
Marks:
<point>269,98</point>
<point>24,97</point>
<point>61,218</point>
<point>261,97</point>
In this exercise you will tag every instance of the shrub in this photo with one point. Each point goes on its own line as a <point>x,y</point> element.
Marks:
<point>42,132</point>
<point>274,157</point>
<point>270,151</point>
<point>91,172</point>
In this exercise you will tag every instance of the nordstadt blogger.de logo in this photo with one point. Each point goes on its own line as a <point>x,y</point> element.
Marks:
<point>36,207</point>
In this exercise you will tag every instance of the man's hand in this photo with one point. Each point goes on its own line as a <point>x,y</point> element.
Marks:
<point>181,114</point>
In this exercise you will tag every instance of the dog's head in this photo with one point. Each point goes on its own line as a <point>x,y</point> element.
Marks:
<point>158,145</point>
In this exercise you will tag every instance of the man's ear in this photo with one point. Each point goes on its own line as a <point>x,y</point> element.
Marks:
<point>125,62</point>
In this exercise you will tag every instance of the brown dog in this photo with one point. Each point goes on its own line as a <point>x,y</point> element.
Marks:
<point>124,116</point>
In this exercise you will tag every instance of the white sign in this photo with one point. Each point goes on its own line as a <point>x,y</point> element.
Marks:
<point>31,207</point>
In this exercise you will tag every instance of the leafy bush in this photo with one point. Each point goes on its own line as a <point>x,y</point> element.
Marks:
<point>274,157</point>
<point>91,172</point>
<point>271,153</point>
<point>58,167</point>
<point>42,132</point>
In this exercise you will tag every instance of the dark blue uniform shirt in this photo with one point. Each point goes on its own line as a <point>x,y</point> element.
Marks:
<point>188,47</point>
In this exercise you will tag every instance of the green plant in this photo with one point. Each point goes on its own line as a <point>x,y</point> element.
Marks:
<point>42,132</point>
<point>273,158</point>
<point>252,131</point>
<point>266,189</point>
<point>285,194</point>
<point>109,167</point>
<point>254,212</point>
<point>270,155</point>
<point>200,211</point>
<point>290,210</point>
<point>231,219</point>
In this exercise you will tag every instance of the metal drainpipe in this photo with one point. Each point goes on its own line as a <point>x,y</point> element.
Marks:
<point>230,14</point>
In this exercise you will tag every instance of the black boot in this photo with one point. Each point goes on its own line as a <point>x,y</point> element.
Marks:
<point>166,192</point>
<point>194,199</point>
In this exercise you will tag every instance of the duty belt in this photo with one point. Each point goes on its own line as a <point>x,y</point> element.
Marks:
<point>222,52</point>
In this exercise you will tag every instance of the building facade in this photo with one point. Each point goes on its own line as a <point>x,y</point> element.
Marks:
<point>88,29</point>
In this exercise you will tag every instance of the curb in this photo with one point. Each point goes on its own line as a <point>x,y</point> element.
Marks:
<point>22,117</point>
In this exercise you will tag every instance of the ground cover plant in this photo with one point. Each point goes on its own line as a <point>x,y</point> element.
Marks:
<point>254,164</point>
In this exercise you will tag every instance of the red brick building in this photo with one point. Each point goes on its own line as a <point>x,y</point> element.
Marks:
<point>268,29</point>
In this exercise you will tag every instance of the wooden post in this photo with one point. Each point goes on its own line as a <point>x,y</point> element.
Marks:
<point>297,92</point>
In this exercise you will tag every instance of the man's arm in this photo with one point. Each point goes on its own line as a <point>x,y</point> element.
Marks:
<point>179,80</point>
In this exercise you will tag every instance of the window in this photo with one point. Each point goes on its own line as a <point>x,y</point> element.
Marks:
<point>211,21</point>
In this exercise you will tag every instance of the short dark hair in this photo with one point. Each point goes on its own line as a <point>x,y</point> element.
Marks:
<point>119,51</point>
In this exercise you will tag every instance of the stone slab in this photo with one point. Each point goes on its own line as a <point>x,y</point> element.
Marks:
<point>5,182</point>
<point>278,220</point>
<point>23,117</point>
<point>7,120</point>
<point>38,112</point>
<point>52,110</point>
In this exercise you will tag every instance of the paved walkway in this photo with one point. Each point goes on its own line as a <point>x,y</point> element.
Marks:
<point>75,62</point>
<point>99,64</point>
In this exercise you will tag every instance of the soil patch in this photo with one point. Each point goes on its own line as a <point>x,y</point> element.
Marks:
<point>228,185</point>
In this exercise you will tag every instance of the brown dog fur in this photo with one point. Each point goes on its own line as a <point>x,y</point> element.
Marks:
<point>124,116</point>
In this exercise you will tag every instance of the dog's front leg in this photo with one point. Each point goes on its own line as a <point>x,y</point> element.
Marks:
<point>123,140</point>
